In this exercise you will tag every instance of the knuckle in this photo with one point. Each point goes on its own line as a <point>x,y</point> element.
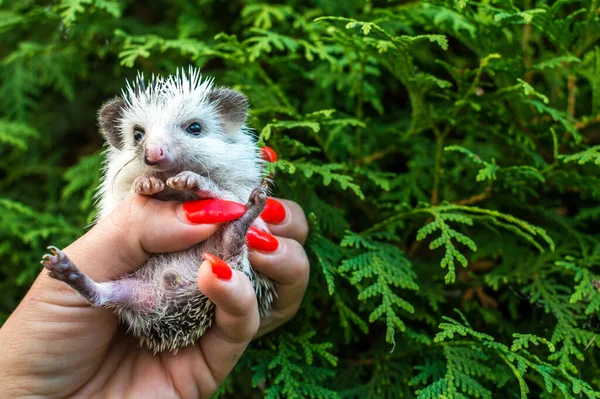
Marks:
<point>300,266</point>
<point>247,296</point>
<point>303,268</point>
<point>303,230</point>
<point>252,327</point>
<point>248,330</point>
<point>299,219</point>
<point>249,309</point>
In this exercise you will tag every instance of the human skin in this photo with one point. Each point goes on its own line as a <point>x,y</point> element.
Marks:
<point>56,345</point>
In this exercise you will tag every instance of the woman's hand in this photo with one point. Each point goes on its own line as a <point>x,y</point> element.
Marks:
<point>282,258</point>
<point>56,345</point>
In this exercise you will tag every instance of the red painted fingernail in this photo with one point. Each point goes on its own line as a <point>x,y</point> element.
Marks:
<point>268,154</point>
<point>261,240</point>
<point>211,211</point>
<point>274,212</point>
<point>219,268</point>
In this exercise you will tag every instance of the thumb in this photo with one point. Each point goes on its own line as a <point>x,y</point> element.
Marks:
<point>121,242</point>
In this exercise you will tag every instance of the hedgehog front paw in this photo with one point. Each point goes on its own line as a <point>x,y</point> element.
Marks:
<point>187,181</point>
<point>148,185</point>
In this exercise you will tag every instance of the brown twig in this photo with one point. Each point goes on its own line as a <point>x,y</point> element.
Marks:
<point>571,89</point>
<point>378,155</point>
<point>416,245</point>
<point>582,124</point>
<point>439,153</point>
<point>435,194</point>
<point>484,299</point>
<point>474,199</point>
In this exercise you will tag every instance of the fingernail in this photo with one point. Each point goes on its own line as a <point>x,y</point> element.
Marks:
<point>273,212</point>
<point>219,268</point>
<point>212,211</point>
<point>268,154</point>
<point>261,240</point>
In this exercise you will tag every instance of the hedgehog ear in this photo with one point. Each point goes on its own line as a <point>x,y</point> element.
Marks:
<point>109,118</point>
<point>232,107</point>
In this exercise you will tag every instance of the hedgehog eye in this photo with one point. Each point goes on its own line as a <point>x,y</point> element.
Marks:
<point>194,129</point>
<point>138,133</point>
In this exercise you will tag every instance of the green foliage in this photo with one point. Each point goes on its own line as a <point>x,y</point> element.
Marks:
<point>469,357</point>
<point>376,272</point>
<point>446,153</point>
<point>288,361</point>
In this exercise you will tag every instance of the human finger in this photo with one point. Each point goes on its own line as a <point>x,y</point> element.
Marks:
<point>236,315</point>
<point>285,218</point>
<point>289,268</point>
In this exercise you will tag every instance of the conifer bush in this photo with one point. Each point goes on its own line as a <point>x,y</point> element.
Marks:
<point>446,153</point>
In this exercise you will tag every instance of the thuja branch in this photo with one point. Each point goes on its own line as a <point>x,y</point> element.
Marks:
<point>275,88</point>
<point>441,136</point>
<point>439,153</point>
<point>527,56</point>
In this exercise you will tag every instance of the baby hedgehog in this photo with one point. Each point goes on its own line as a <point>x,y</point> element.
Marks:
<point>176,139</point>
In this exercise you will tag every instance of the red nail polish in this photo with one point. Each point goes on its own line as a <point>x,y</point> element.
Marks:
<point>274,212</point>
<point>261,240</point>
<point>212,211</point>
<point>219,268</point>
<point>268,154</point>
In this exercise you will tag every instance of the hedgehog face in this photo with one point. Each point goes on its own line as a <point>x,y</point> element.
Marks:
<point>176,122</point>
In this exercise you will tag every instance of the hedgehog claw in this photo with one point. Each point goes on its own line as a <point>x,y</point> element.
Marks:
<point>49,261</point>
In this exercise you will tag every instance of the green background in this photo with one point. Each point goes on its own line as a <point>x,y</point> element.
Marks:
<point>446,154</point>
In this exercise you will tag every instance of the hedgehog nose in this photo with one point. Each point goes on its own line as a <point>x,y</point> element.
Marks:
<point>154,154</point>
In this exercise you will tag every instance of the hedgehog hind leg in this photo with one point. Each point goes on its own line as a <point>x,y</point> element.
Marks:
<point>234,234</point>
<point>63,269</point>
<point>123,293</point>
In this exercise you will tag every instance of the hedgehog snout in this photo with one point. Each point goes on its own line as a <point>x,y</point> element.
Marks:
<point>156,153</point>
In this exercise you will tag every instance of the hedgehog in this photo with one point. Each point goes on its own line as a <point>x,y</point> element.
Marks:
<point>175,138</point>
